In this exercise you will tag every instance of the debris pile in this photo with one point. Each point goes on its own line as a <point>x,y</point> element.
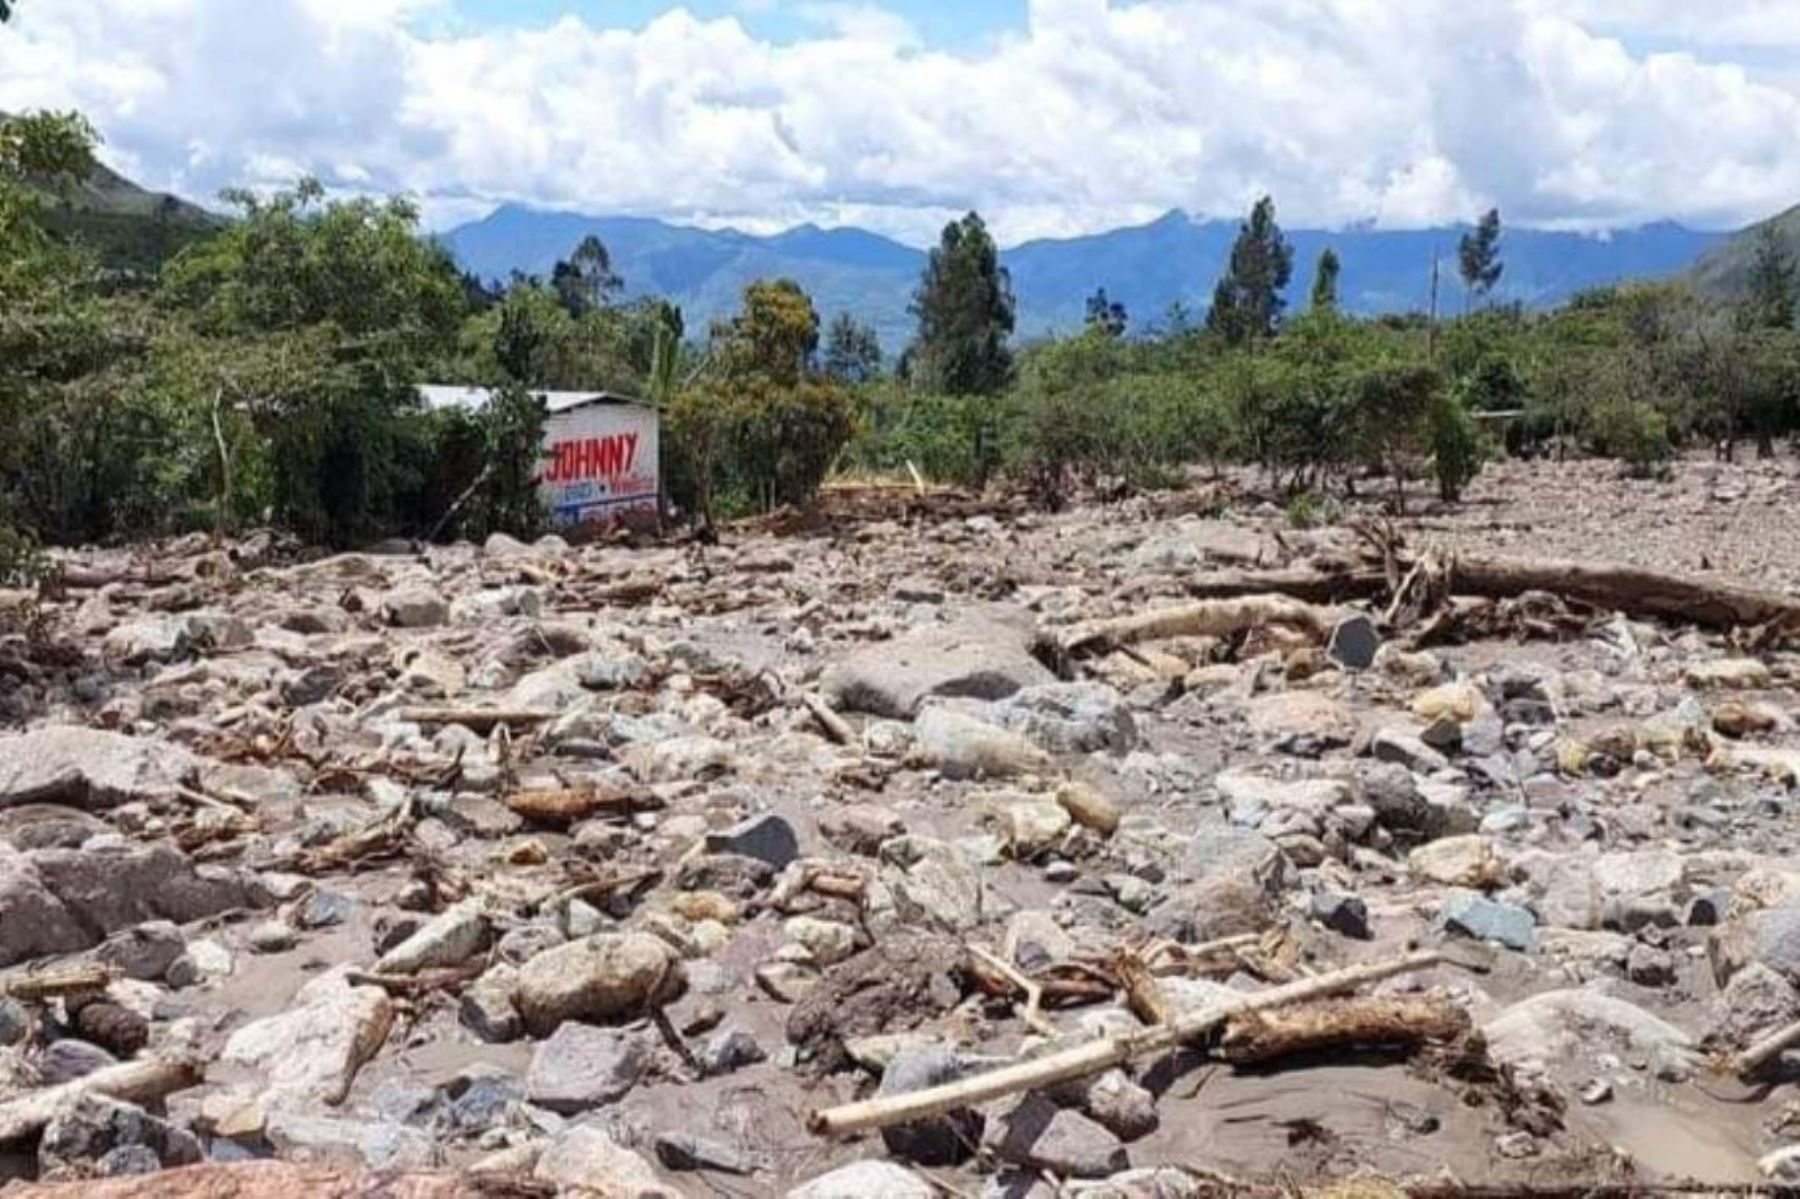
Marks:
<point>1113,853</point>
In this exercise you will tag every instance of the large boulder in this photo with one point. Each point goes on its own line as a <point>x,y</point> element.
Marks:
<point>89,768</point>
<point>55,901</point>
<point>605,977</point>
<point>1555,1025</point>
<point>983,658</point>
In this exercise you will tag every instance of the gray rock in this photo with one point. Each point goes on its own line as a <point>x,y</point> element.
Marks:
<point>1112,1100</point>
<point>448,939</point>
<point>378,1144</point>
<point>767,838</point>
<point>1353,642</point>
<point>69,1059</point>
<point>89,768</point>
<point>1649,966</point>
<point>145,952</point>
<point>1756,1001</point>
<point>681,1151</point>
<point>988,658</point>
<point>92,1128</point>
<point>940,1140</point>
<point>729,1048</point>
<point>414,608</point>
<point>1473,915</point>
<point>1039,1135</point>
<point>1406,749</point>
<point>859,828</point>
<point>1069,718</point>
<point>581,1067</point>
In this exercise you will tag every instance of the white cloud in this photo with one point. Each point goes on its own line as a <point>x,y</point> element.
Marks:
<point>1581,113</point>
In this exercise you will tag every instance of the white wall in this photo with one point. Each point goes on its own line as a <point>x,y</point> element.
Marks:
<point>600,461</point>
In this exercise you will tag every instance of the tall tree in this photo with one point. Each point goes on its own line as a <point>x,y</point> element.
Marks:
<point>1248,301</point>
<point>775,337</point>
<point>965,310</point>
<point>5,10</point>
<point>1325,282</point>
<point>1106,315</point>
<point>1774,284</point>
<point>852,351</point>
<point>585,280</point>
<point>1478,256</point>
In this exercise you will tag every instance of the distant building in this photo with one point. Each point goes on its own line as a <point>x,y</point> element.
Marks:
<point>601,452</point>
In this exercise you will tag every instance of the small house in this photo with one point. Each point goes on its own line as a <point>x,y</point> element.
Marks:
<point>601,461</point>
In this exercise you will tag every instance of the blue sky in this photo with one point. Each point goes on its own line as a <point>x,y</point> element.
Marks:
<point>1051,117</point>
<point>956,25</point>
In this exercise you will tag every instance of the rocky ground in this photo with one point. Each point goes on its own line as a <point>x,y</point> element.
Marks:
<point>600,869</point>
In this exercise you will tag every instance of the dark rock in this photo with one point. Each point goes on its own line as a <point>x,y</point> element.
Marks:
<point>1343,913</point>
<point>1037,1134</point>
<point>68,1059</point>
<point>766,838</point>
<point>898,984</point>
<point>1485,919</point>
<point>1354,642</point>
<point>120,1137</point>
<point>730,1048</point>
<point>941,1140</point>
<point>325,908</point>
<point>145,952</point>
<point>1069,718</point>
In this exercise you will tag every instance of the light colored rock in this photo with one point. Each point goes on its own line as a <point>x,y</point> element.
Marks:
<point>866,1180</point>
<point>1031,826</point>
<point>581,1067</point>
<point>1738,674</point>
<point>448,939</point>
<point>311,1052</point>
<point>961,746</point>
<point>1089,807</point>
<point>414,608</point>
<point>592,1164</point>
<point>608,976</point>
<point>829,941</point>
<point>1467,861</point>
<point>89,768</point>
<point>1556,1025</point>
<point>1300,717</point>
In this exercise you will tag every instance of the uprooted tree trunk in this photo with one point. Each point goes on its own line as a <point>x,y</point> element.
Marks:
<point>137,1082</point>
<point>1211,618</point>
<point>1362,1022</point>
<point>1640,593</point>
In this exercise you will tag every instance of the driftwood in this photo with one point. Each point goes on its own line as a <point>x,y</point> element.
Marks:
<point>475,719</point>
<point>1210,618</point>
<point>1643,594</point>
<point>835,726</point>
<point>1097,1055</point>
<point>443,978</point>
<point>381,837</point>
<point>1368,1022</point>
<point>135,1082</point>
<point>567,805</point>
<point>76,978</point>
<point>1768,1048</point>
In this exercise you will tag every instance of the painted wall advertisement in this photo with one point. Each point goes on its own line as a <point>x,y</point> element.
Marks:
<point>600,462</point>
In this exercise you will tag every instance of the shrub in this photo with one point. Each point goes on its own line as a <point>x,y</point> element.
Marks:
<point>1458,448</point>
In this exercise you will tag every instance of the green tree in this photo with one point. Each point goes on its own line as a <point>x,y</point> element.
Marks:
<point>964,306</point>
<point>1325,282</point>
<point>852,351</point>
<point>1774,283</point>
<point>1106,315</point>
<point>1247,302</point>
<point>586,280</point>
<point>1478,256</point>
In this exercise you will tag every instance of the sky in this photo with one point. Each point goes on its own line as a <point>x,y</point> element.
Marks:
<point>1051,117</point>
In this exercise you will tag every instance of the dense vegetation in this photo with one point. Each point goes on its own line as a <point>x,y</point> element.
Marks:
<point>267,372</point>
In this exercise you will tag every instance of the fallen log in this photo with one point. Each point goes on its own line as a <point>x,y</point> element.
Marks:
<point>1643,594</point>
<point>54,982</point>
<point>1097,1055</point>
<point>1210,618</point>
<point>835,726</point>
<point>135,1082</point>
<point>1367,1022</point>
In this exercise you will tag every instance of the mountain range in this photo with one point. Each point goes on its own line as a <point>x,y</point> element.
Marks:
<point>1175,259</point>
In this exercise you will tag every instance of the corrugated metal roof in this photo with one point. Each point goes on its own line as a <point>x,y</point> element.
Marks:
<point>473,398</point>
